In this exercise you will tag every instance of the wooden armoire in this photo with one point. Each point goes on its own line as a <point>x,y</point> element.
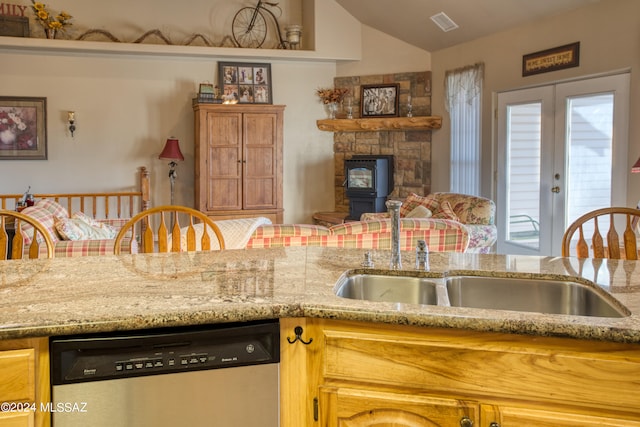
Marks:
<point>238,160</point>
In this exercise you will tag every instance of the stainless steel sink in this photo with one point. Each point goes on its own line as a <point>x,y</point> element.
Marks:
<point>379,287</point>
<point>531,295</point>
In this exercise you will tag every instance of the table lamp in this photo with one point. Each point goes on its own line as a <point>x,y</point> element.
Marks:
<point>172,152</point>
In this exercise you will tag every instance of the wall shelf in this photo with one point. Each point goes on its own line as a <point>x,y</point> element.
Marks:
<point>28,44</point>
<point>380,124</point>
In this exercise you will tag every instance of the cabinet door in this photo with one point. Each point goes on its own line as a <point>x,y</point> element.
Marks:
<point>260,160</point>
<point>224,161</point>
<point>505,416</point>
<point>17,370</point>
<point>17,419</point>
<point>347,407</point>
<point>24,378</point>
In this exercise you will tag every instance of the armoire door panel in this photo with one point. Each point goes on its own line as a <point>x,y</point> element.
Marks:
<point>225,129</point>
<point>224,162</point>
<point>261,128</point>
<point>259,193</point>
<point>225,194</point>
<point>260,163</point>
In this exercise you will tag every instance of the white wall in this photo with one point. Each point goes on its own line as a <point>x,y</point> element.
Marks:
<point>609,36</point>
<point>128,104</point>
<point>382,54</point>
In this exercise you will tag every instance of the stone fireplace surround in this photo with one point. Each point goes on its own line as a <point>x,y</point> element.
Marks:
<point>411,148</point>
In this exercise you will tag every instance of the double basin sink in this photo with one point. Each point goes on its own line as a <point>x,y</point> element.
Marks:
<point>524,294</point>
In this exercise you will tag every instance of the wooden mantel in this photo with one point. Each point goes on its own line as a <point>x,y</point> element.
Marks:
<point>380,124</point>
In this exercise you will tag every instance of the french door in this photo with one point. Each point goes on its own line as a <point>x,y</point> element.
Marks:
<point>561,152</point>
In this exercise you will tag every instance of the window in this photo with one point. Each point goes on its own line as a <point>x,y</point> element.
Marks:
<point>463,94</point>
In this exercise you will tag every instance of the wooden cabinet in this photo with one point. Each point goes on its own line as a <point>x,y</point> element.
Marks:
<point>238,160</point>
<point>24,383</point>
<point>364,374</point>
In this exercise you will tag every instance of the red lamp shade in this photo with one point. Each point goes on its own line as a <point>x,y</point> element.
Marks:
<point>636,167</point>
<point>171,150</point>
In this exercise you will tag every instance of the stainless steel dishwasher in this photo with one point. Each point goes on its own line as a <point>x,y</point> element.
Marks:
<point>226,375</point>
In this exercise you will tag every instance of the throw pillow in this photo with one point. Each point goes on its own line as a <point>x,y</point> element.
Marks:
<point>413,200</point>
<point>70,229</point>
<point>419,212</point>
<point>54,207</point>
<point>100,229</point>
<point>445,211</point>
<point>44,217</point>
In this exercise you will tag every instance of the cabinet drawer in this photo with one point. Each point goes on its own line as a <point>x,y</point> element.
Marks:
<point>473,365</point>
<point>17,370</point>
<point>359,407</point>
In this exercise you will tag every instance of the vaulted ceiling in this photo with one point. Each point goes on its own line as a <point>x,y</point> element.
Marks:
<point>409,20</point>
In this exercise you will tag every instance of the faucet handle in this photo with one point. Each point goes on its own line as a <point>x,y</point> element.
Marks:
<point>422,256</point>
<point>368,262</point>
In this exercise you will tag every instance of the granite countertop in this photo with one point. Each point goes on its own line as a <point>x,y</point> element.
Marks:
<point>101,294</point>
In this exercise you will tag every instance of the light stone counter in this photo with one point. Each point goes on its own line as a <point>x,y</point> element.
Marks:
<point>101,294</point>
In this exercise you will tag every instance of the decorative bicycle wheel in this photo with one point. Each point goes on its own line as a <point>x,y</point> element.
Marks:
<point>249,27</point>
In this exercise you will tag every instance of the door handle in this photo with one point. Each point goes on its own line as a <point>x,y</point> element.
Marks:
<point>555,189</point>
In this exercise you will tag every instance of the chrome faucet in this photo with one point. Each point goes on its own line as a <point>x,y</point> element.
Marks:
<point>393,207</point>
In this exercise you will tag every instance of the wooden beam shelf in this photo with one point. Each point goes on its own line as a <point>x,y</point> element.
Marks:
<point>380,124</point>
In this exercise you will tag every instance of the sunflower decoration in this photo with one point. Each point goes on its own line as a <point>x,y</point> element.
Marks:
<point>51,23</point>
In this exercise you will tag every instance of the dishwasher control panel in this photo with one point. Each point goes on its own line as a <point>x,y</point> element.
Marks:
<point>101,357</point>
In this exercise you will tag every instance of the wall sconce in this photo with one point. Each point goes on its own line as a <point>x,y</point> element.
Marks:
<point>171,151</point>
<point>71,117</point>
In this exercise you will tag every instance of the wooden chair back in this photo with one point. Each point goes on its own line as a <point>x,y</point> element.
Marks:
<point>616,247</point>
<point>12,239</point>
<point>159,226</point>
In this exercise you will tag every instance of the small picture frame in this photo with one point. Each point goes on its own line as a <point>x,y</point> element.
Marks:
<point>206,88</point>
<point>23,128</point>
<point>379,100</point>
<point>245,83</point>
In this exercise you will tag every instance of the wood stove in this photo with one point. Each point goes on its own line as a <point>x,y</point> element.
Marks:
<point>368,182</point>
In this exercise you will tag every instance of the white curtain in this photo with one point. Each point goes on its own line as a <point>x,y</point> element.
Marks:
<point>463,97</point>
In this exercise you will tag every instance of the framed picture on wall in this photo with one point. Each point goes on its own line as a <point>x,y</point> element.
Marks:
<point>23,128</point>
<point>379,100</point>
<point>245,83</point>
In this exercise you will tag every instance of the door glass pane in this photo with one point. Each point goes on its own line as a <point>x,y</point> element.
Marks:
<point>589,156</point>
<point>524,151</point>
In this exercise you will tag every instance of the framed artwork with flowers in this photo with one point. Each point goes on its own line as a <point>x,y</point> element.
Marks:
<point>23,128</point>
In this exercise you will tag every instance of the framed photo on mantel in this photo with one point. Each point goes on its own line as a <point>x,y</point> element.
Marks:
<point>245,83</point>
<point>379,100</point>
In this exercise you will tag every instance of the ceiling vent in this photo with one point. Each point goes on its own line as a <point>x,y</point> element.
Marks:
<point>444,22</point>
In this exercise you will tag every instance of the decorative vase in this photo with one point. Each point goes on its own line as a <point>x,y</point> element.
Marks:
<point>50,33</point>
<point>331,109</point>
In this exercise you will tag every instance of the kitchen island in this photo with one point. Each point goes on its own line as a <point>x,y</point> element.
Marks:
<point>366,362</point>
<point>68,296</point>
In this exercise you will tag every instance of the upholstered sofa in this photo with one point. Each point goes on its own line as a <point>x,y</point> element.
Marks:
<point>441,235</point>
<point>74,234</point>
<point>448,222</point>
